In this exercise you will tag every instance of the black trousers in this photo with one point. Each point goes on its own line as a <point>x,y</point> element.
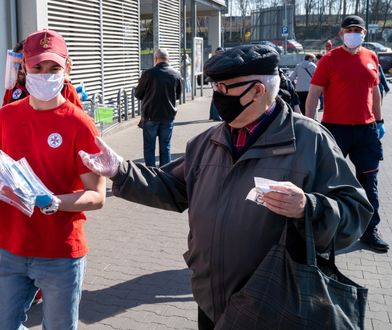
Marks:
<point>302,100</point>
<point>204,323</point>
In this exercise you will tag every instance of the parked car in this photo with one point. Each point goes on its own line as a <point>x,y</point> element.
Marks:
<point>293,46</point>
<point>385,60</point>
<point>376,47</point>
<point>279,49</point>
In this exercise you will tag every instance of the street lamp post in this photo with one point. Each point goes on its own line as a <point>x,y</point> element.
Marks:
<point>367,20</point>
<point>285,24</point>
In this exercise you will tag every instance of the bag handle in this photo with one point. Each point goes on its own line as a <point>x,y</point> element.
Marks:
<point>309,240</point>
<point>310,247</point>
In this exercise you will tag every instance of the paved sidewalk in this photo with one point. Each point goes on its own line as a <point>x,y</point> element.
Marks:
<point>136,277</point>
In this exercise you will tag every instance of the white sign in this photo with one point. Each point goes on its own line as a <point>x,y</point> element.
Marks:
<point>197,56</point>
<point>285,31</point>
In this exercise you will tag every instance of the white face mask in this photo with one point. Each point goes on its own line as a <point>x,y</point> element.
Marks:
<point>44,86</point>
<point>353,40</point>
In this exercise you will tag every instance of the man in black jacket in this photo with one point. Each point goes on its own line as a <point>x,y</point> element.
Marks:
<point>158,89</point>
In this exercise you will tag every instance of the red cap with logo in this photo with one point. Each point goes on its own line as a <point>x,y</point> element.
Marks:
<point>45,45</point>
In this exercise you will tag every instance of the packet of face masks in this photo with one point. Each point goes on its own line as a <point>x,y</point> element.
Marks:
<point>19,185</point>
<point>12,66</point>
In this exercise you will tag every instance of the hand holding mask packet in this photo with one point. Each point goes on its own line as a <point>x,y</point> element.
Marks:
<point>262,186</point>
<point>19,185</point>
<point>12,66</point>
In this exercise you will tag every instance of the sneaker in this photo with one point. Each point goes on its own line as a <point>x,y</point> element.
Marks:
<point>373,239</point>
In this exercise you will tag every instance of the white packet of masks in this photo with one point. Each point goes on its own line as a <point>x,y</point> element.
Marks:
<point>12,65</point>
<point>19,185</point>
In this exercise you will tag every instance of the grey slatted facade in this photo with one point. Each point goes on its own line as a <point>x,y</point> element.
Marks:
<point>169,26</point>
<point>103,41</point>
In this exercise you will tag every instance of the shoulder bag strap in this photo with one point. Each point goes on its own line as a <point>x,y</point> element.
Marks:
<point>308,72</point>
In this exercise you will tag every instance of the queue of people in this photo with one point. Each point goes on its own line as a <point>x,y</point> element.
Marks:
<point>261,135</point>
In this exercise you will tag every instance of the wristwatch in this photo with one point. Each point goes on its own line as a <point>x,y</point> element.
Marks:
<point>52,207</point>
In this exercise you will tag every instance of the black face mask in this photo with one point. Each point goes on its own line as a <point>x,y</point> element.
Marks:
<point>229,107</point>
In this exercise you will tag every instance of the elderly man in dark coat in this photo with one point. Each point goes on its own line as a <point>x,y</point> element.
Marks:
<point>260,136</point>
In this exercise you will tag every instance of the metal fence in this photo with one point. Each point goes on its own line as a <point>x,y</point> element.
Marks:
<point>108,115</point>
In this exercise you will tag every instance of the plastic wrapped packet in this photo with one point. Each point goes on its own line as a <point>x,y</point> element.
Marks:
<point>262,185</point>
<point>19,185</point>
<point>12,65</point>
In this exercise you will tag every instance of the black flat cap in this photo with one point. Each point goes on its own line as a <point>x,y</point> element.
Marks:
<point>242,61</point>
<point>353,20</point>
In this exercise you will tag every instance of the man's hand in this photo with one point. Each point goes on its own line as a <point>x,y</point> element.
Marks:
<point>104,163</point>
<point>287,199</point>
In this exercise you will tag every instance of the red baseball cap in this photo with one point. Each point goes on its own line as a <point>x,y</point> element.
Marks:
<point>45,45</point>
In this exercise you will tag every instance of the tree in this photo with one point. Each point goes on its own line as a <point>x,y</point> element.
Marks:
<point>244,8</point>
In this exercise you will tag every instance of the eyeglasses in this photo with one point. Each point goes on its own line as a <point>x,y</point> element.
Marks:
<point>223,88</point>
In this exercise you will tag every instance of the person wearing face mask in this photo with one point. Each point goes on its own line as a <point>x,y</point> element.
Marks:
<point>348,77</point>
<point>19,91</point>
<point>47,250</point>
<point>260,136</point>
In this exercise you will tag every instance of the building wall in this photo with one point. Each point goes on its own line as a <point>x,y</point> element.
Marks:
<point>7,36</point>
<point>169,33</point>
<point>103,41</point>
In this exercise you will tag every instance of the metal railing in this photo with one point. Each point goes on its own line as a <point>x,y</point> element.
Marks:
<point>108,115</point>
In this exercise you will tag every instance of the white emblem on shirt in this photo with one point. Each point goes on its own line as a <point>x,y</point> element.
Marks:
<point>55,140</point>
<point>16,94</point>
<point>371,66</point>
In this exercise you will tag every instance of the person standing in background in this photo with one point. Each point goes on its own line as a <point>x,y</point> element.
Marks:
<point>158,89</point>
<point>214,115</point>
<point>384,87</point>
<point>302,75</point>
<point>349,79</point>
<point>19,91</point>
<point>328,46</point>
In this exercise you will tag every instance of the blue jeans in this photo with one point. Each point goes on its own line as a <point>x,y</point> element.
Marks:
<point>152,130</point>
<point>60,280</point>
<point>362,145</point>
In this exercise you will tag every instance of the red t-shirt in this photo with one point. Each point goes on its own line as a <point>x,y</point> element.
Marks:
<point>50,141</point>
<point>19,92</point>
<point>348,81</point>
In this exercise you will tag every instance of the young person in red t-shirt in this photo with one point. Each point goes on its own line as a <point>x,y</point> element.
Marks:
<point>348,77</point>
<point>19,92</point>
<point>47,250</point>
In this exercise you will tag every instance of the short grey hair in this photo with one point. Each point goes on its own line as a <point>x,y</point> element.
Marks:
<point>162,54</point>
<point>272,84</point>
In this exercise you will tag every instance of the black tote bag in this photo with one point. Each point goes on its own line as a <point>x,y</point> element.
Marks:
<point>285,295</point>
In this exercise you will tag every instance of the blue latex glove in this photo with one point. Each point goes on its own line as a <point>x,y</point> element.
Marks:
<point>381,130</point>
<point>43,201</point>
